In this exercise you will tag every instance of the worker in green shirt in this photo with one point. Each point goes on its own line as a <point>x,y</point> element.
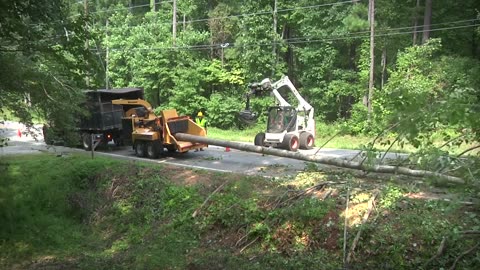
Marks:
<point>201,121</point>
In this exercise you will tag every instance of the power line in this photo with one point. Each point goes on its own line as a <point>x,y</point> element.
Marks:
<point>313,39</point>
<point>385,34</point>
<point>101,11</point>
<point>419,29</point>
<point>270,11</point>
<point>129,7</point>
<point>213,46</point>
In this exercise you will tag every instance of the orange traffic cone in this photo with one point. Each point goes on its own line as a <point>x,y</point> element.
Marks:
<point>19,133</point>
<point>227,149</point>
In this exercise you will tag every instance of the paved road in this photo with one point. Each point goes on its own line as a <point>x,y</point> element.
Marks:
<point>213,158</point>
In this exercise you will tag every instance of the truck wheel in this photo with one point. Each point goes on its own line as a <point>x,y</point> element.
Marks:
<point>118,142</point>
<point>46,134</point>
<point>260,139</point>
<point>290,142</point>
<point>140,149</point>
<point>306,140</point>
<point>87,141</point>
<point>154,149</point>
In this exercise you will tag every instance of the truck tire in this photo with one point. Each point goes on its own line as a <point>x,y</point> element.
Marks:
<point>290,142</point>
<point>140,149</point>
<point>154,149</point>
<point>87,141</point>
<point>46,130</point>
<point>118,142</point>
<point>306,140</point>
<point>260,139</point>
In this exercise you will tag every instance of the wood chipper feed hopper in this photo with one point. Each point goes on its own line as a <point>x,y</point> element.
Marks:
<point>173,124</point>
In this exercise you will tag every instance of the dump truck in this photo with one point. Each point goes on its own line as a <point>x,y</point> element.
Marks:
<point>105,121</point>
<point>152,134</point>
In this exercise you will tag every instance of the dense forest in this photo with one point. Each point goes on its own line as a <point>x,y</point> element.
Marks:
<point>409,67</point>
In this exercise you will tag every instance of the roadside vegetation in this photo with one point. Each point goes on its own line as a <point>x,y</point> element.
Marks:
<point>72,212</point>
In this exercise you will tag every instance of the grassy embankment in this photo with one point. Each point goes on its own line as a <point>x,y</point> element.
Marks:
<point>72,212</point>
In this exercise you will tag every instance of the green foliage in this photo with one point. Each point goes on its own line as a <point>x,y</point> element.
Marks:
<point>422,99</point>
<point>223,111</point>
<point>107,214</point>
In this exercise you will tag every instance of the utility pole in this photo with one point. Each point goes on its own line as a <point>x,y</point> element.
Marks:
<point>274,47</point>
<point>174,23</point>
<point>372,57</point>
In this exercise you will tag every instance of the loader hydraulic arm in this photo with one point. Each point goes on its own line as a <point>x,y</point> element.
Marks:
<point>266,85</point>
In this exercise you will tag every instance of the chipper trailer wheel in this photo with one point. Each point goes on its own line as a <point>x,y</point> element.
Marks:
<point>140,150</point>
<point>290,142</point>
<point>306,140</point>
<point>154,149</point>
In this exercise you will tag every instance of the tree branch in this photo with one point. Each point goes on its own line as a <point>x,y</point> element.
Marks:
<point>331,138</point>
<point>468,150</point>
<point>463,254</point>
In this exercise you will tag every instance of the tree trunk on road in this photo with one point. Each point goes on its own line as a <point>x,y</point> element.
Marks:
<point>318,159</point>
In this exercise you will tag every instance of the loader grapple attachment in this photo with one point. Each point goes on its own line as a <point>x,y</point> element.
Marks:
<point>247,116</point>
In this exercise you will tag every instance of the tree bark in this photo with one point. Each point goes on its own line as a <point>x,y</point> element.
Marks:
<point>274,45</point>
<point>152,5</point>
<point>174,23</point>
<point>319,159</point>
<point>384,67</point>
<point>415,22</point>
<point>372,57</point>
<point>427,19</point>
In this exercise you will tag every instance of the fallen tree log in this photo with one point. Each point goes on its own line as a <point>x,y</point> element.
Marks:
<point>319,159</point>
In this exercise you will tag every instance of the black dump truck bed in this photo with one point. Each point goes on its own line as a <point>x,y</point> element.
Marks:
<point>103,115</point>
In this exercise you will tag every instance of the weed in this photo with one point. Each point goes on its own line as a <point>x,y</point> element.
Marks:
<point>103,214</point>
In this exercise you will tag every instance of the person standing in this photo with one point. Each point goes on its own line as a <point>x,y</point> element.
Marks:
<point>201,121</point>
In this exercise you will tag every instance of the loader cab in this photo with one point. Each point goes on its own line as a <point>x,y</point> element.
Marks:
<point>281,118</point>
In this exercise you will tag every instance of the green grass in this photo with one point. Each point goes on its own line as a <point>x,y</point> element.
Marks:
<point>72,212</point>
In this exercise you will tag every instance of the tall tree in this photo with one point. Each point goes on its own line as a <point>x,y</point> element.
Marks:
<point>427,20</point>
<point>371,11</point>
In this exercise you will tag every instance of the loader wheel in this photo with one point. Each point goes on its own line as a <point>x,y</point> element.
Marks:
<point>290,142</point>
<point>140,149</point>
<point>306,140</point>
<point>260,139</point>
<point>154,149</point>
<point>87,141</point>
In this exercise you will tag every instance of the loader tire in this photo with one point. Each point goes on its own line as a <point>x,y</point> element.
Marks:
<point>290,142</point>
<point>260,139</point>
<point>306,140</point>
